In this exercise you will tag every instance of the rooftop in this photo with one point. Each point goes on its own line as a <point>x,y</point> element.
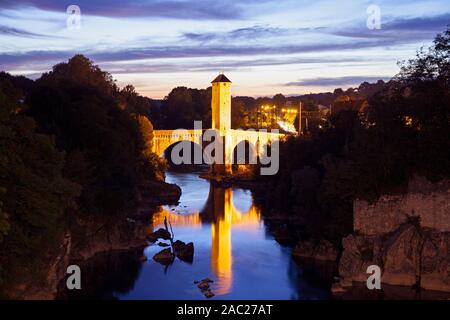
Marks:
<point>221,78</point>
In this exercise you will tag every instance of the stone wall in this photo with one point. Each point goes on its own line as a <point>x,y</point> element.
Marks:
<point>424,200</point>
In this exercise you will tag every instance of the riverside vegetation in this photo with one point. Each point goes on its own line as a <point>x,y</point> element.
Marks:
<point>73,148</point>
<point>375,157</point>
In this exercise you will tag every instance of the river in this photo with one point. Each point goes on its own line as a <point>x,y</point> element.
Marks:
<point>232,244</point>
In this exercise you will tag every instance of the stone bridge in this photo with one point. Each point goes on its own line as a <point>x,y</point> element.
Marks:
<point>221,123</point>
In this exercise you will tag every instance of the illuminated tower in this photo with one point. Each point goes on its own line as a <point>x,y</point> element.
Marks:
<point>221,120</point>
<point>221,104</point>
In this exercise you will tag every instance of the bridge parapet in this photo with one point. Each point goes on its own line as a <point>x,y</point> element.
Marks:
<point>163,139</point>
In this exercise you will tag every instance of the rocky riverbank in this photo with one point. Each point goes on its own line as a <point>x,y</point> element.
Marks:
<point>88,237</point>
<point>407,236</point>
<point>409,256</point>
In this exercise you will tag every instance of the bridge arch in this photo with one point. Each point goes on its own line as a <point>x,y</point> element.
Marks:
<point>196,154</point>
<point>163,139</point>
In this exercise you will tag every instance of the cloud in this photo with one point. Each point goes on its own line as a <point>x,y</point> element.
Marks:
<point>44,60</point>
<point>248,33</point>
<point>8,31</point>
<point>399,29</point>
<point>194,51</point>
<point>187,51</point>
<point>394,32</point>
<point>176,9</point>
<point>223,64</point>
<point>256,32</point>
<point>338,81</point>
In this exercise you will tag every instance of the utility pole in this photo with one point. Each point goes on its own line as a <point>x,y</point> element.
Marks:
<point>300,119</point>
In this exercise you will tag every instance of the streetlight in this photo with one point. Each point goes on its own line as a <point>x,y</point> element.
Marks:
<point>300,119</point>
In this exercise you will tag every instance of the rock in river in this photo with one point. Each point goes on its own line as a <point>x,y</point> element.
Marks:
<point>164,257</point>
<point>184,251</point>
<point>203,286</point>
<point>159,234</point>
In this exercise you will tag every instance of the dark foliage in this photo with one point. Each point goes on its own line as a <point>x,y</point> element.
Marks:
<point>183,106</point>
<point>77,103</point>
<point>404,132</point>
<point>34,195</point>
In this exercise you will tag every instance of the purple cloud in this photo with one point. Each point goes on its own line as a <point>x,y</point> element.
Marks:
<point>338,81</point>
<point>177,9</point>
<point>406,29</point>
<point>8,31</point>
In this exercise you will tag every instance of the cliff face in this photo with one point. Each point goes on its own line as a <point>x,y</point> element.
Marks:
<point>424,201</point>
<point>408,236</point>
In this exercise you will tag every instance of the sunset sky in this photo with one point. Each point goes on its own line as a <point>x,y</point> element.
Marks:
<point>264,46</point>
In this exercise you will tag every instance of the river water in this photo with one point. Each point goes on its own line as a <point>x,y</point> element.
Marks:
<point>232,245</point>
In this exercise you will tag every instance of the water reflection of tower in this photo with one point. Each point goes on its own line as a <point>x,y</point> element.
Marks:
<point>220,208</point>
<point>221,258</point>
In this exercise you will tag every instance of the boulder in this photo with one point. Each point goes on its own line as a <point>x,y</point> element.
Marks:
<point>435,267</point>
<point>164,257</point>
<point>159,234</point>
<point>358,254</point>
<point>184,251</point>
<point>203,286</point>
<point>402,257</point>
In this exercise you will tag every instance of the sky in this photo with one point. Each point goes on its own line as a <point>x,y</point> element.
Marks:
<point>264,46</point>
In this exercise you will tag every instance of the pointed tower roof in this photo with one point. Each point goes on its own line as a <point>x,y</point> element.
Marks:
<point>221,78</point>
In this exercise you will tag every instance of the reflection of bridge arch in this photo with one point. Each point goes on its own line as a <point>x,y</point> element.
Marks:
<point>223,215</point>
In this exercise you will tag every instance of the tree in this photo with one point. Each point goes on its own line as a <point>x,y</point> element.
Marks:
<point>132,102</point>
<point>152,165</point>
<point>77,103</point>
<point>34,195</point>
<point>183,106</point>
<point>403,132</point>
<point>279,100</point>
<point>239,115</point>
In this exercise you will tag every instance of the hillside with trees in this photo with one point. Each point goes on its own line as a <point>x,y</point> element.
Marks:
<point>73,146</point>
<point>362,155</point>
